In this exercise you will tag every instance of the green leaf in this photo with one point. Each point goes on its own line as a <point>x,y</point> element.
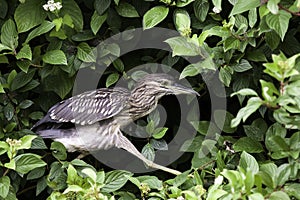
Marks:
<point>4,186</point>
<point>149,152</point>
<point>248,163</point>
<point>71,8</point>
<point>182,22</point>
<point>279,23</point>
<point>25,53</point>
<point>36,173</point>
<point>25,104</point>
<point>225,75</point>
<point>26,142</point>
<point>9,111</point>
<point>243,66</point>
<point>248,144</point>
<point>90,173</point>
<point>159,144</point>
<point>279,195</point>
<point>125,9</point>
<point>21,79</point>
<point>115,180</point>
<point>152,181</point>
<point>252,16</point>
<point>29,15</point>
<point>201,8</point>
<point>241,6</point>
<point>112,79</point>
<point>55,57</point>
<point>159,133</point>
<point>63,88</point>
<point>58,150</point>
<point>252,105</point>
<point>283,174</point>
<point>223,119</point>
<point>101,6</point>
<point>154,16</point>
<point>3,8</point>
<point>97,21</point>
<point>182,47</point>
<point>245,92</point>
<point>273,7</point>
<point>45,27</point>
<point>85,53</point>
<point>27,162</point>
<point>9,35</point>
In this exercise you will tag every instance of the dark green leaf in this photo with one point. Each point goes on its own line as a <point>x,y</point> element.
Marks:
<point>9,111</point>
<point>71,8</point>
<point>243,66</point>
<point>85,53</point>
<point>223,120</point>
<point>29,15</point>
<point>248,144</point>
<point>58,150</point>
<point>3,9</point>
<point>22,79</point>
<point>126,10</point>
<point>148,152</point>
<point>101,6</point>
<point>36,173</point>
<point>62,89</point>
<point>25,104</point>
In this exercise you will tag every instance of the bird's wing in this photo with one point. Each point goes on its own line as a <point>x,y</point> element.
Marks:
<point>90,107</point>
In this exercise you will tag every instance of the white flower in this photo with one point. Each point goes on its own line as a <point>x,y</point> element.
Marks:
<point>52,6</point>
<point>216,10</point>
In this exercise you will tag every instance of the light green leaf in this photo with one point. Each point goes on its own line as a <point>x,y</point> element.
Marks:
<point>248,163</point>
<point>4,186</point>
<point>29,15</point>
<point>25,52</point>
<point>97,21</point>
<point>45,27</point>
<point>90,173</point>
<point>272,5</point>
<point>158,134</point>
<point>125,9</point>
<point>182,47</point>
<point>243,66</point>
<point>279,195</point>
<point>252,105</point>
<point>116,179</point>
<point>182,22</point>
<point>279,22</point>
<point>26,141</point>
<point>112,79</point>
<point>241,6</point>
<point>27,162</point>
<point>154,16</point>
<point>245,92</point>
<point>55,57</point>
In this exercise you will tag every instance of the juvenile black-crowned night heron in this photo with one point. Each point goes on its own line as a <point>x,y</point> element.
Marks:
<point>98,116</point>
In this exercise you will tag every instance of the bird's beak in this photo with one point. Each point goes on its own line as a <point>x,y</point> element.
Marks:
<point>180,89</point>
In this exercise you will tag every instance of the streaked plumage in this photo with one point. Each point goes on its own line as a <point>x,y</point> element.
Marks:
<point>97,116</point>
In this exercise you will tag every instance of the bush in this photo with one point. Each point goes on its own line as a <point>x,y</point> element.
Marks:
<point>249,150</point>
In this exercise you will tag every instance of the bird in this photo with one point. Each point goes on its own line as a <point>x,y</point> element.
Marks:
<point>96,117</point>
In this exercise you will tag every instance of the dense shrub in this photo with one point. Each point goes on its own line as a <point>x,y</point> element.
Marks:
<point>251,47</point>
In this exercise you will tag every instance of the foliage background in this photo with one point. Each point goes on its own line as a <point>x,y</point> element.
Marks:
<point>255,48</point>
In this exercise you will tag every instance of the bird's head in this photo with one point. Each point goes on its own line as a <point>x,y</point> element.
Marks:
<point>162,84</point>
